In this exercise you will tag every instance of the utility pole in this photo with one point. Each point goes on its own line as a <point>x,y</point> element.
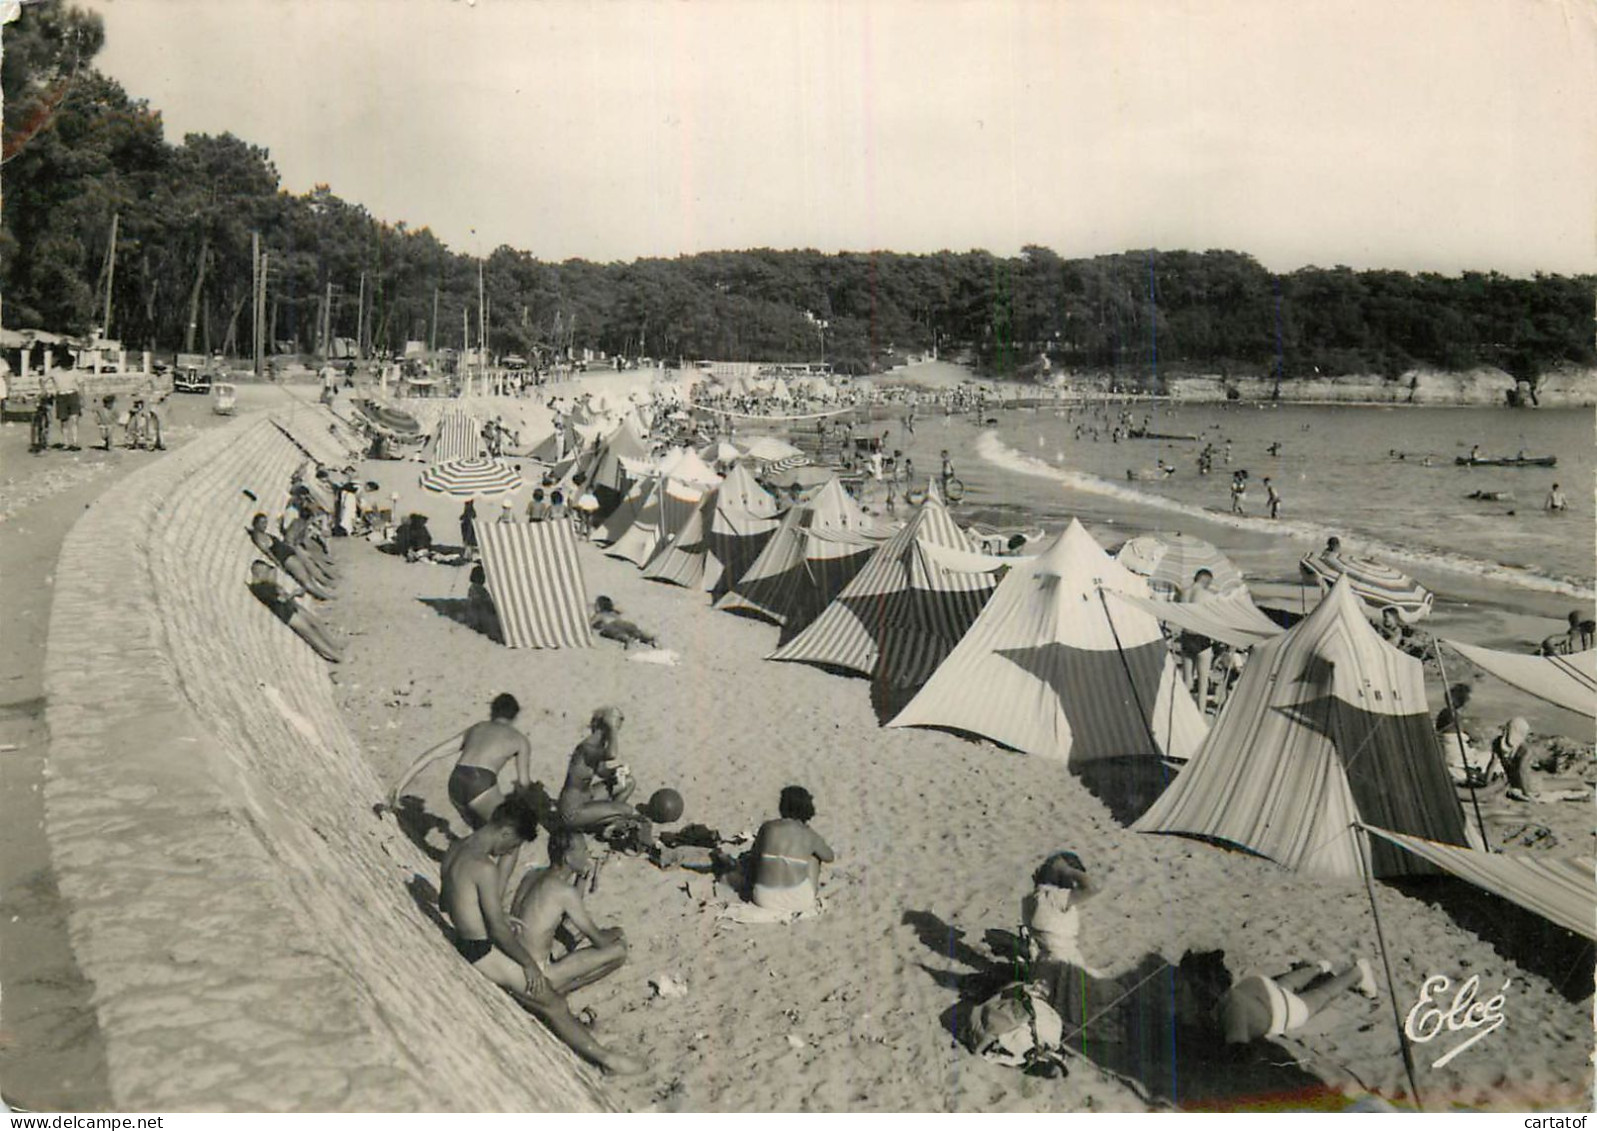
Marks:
<point>255,302</point>
<point>432,338</point>
<point>360,321</point>
<point>260,316</point>
<point>327,322</point>
<point>110,274</point>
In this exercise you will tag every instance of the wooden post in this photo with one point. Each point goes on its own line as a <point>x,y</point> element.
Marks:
<point>110,274</point>
<point>255,302</point>
<point>360,320</point>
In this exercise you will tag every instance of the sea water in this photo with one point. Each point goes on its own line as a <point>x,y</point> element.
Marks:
<point>1382,478</point>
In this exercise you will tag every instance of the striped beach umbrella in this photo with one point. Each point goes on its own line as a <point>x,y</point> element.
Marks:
<point>769,449</point>
<point>470,478</point>
<point>1169,562</point>
<point>1374,582</point>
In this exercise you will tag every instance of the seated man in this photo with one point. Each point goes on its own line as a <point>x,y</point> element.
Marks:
<point>607,622</point>
<point>475,873</point>
<point>595,768</point>
<point>546,900</point>
<point>788,855</point>
<point>1263,1006</point>
<point>263,583</point>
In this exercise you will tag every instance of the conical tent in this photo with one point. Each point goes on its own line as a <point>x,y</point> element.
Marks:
<point>901,615</point>
<point>618,521</point>
<point>723,536</point>
<point>666,509</point>
<point>625,443</point>
<point>1328,725</point>
<point>1048,670</point>
<point>816,550</point>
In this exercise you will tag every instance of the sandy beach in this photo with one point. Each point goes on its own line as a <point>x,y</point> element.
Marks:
<point>936,839</point>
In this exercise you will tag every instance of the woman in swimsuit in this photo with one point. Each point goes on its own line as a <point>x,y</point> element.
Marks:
<point>788,855</point>
<point>595,768</point>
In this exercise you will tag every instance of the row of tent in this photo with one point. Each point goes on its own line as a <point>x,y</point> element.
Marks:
<point>1061,655</point>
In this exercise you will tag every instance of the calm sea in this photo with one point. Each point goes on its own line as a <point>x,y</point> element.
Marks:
<point>1335,470</point>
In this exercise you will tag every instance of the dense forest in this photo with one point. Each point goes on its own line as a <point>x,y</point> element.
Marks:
<point>79,150</point>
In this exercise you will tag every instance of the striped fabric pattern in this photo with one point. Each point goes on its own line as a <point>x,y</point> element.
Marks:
<point>1377,584</point>
<point>902,613</point>
<point>1328,724</point>
<point>470,478</point>
<point>1558,888</point>
<point>459,437</point>
<point>536,583</point>
<point>1171,561</point>
<point>1568,681</point>
<point>666,510</point>
<point>607,469</point>
<point>1048,670</point>
<point>1232,619</point>
<point>816,550</point>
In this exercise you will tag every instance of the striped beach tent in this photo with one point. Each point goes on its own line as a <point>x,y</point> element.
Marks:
<point>607,471</point>
<point>618,521</point>
<point>1558,888</point>
<point>816,549</point>
<point>1328,725</point>
<point>664,511</point>
<point>1231,618</point>
<point>459,436</point>
<point>1378,585</point>
<point>906,609</point>
<point>1048,669</point>
<point>536,583</point>
<point>1568,681</point>
<point>721,538</point>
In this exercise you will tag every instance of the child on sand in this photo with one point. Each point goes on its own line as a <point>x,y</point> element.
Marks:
<point>1260,1005</point>
<point>607,622</point>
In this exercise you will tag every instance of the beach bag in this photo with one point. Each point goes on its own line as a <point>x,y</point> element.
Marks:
<point>1015,1027</point>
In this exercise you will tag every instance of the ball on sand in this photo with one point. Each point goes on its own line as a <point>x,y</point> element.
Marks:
<point>665,806</point>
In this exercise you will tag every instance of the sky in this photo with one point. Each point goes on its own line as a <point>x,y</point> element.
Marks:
<point>1414,134</point>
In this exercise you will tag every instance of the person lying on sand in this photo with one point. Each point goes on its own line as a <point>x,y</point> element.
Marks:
<point>474,877</point>
<point>288,559</point>
<point>264,584</point>
<point>607,622</point>
<point>553,896</point>
<point>485,748</point>
<point>1263,1006</point>
<point>597,785</point>
<point>788,855</point>
<point>1525,782</point>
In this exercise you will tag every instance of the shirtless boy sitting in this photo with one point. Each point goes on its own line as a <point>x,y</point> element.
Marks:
<point>549,898</point>
<point>475,874</point>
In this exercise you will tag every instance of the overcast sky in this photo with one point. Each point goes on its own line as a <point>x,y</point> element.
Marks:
<point>1419,134</point>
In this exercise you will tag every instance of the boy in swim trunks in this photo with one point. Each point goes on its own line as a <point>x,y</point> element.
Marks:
<point>1262,1006</point>
<point>546,899</point>
<point>485,748</point>
<point>474,876</point>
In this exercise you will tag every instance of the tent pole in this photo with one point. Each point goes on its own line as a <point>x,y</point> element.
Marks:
<point>1145,716</point>
<point>1361,840</point>
<point>1458,735</point>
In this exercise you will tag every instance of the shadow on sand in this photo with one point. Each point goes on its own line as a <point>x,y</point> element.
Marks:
<point>459,610</point>
<point>1148,1026</point>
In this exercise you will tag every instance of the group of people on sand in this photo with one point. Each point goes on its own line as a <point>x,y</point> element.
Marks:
<point>513,934</point>
<point>1507,761</point>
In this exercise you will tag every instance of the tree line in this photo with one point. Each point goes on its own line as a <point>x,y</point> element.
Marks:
<point>80,150</point>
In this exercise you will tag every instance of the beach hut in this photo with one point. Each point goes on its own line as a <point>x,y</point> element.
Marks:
<point>816,550</point>
<point>665,510</point>
<point>1048,669</point>
<point>1328,725</point>
<point>721,539</point>
<point>536,583</point>
<point>459,437</point>
<point>901,615</point>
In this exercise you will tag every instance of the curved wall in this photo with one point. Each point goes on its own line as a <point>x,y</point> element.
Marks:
<point>248,922</point>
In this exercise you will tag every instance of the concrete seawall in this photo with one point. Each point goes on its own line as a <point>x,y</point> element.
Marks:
<point>256,937</point>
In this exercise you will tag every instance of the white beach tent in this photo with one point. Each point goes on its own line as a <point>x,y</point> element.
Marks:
<point>665,510</point>
<point>721,539</point>
<point>1047,669</point>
